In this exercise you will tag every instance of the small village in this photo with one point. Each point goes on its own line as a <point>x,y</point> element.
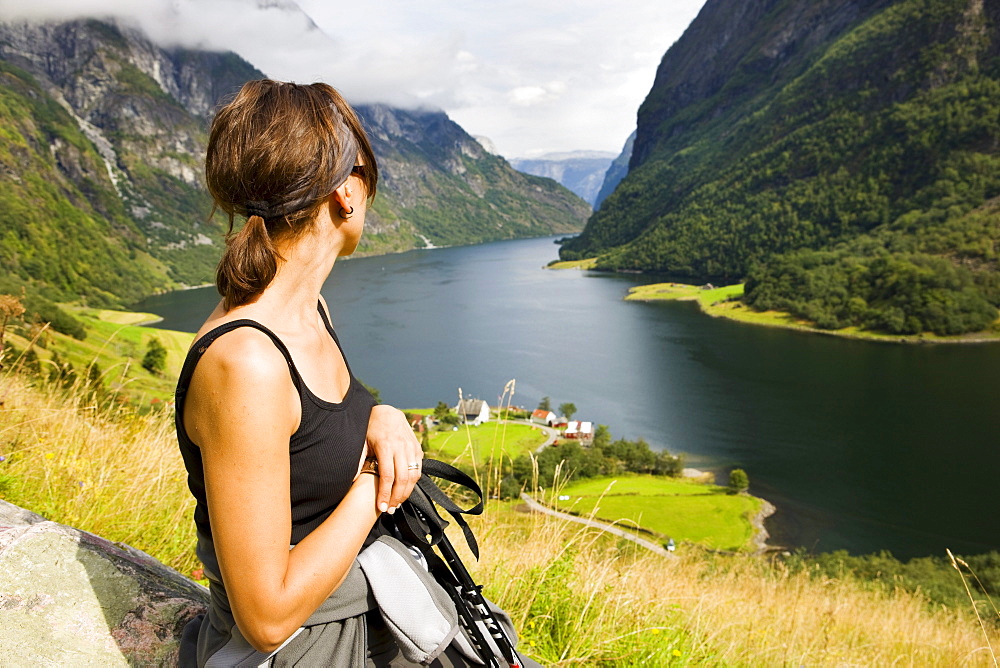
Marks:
<point>476,412</point>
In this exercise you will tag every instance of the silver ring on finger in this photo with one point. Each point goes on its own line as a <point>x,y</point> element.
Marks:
<point>413,466</point>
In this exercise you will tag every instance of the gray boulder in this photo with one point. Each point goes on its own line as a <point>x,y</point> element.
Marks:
<point>70,598</point>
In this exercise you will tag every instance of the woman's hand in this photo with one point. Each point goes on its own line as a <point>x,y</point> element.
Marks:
<point>396,448</point>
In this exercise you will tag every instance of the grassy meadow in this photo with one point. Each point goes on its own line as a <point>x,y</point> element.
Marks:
<point>588,263</point>
<point>116,343</point>
<point>725,302</point>
<point>676,508</point>
<point>576,595</point>
<point>489,441</point>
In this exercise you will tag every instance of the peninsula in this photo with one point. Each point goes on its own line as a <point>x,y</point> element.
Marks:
<point>726,302</point>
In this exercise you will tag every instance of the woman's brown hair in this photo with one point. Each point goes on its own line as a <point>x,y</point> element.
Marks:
<point>275,153</point>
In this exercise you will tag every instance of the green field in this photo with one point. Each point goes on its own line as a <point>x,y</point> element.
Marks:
<point>489,440</point>
<point>573,264</point>
<point>684,292</point>
<point>724,302</point>
<point>117,345</point>
<point>676,508</point>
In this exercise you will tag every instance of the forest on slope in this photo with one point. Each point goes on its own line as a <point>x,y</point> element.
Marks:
<point>841,157</point>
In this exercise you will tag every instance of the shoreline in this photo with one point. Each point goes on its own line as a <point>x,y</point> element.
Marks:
<point>760,533</point>
<point>722,303</point>
<point>758,541</point>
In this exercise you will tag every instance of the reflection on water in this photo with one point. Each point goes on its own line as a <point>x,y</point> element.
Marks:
<point>862,446</point>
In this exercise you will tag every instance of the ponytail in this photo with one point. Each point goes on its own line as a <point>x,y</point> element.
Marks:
<point>248,264</point>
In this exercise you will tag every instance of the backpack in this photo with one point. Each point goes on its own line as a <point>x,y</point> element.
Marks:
<point>418,525</point>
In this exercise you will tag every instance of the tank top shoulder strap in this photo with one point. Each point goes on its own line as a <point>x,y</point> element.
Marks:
<point>333,335</point>
<point>202,344</point>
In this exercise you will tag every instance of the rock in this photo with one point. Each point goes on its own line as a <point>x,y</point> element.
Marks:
<point>68,597</point>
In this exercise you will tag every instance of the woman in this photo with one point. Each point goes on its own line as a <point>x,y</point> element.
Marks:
<point>275,431</point>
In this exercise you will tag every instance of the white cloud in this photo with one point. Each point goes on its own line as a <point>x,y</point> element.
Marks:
<point>527,96</point>
<point>534,77</point>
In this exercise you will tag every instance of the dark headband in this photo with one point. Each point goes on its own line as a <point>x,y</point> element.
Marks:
<point>300,195</point>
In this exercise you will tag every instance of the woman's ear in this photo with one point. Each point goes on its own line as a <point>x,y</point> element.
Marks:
<point>340,201</point>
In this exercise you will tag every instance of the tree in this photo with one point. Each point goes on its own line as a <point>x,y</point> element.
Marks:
<point>441,410</point>
<point>32,364</point>
<point>376,395</point>
<point>94,375</point>
<point>61,371</point>
<point>567,409</point>
<point>545,404</point>
<point>602,437</point>
<point>668,464</point>
<point>510,488</point>
<point>739,481</point>
<point>155,361</point>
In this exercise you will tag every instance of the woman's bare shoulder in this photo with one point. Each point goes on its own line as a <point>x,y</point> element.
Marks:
<point>245,354</point>
<point>242,383</point>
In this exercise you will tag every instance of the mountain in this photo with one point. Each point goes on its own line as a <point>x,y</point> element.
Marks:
<point>101,194</point>
<point>440,186</point>
<point>101,187</point>
<point>617,171</point>
<point>840,155</point>
<point>580,171</point>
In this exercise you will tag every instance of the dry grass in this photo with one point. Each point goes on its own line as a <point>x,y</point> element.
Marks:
<point>577,596</point>
<point>593,600</point>
<point>113,473</point>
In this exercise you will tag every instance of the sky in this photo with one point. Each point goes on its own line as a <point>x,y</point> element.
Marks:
<point>532,76</point>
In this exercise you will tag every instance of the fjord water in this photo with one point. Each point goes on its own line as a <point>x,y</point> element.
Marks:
<point>861,446</point>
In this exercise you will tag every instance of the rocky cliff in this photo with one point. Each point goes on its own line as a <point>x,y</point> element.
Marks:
<point>101,191</point>
<point>734,52</point>
<point>617,170</point>
<point>106,131</point>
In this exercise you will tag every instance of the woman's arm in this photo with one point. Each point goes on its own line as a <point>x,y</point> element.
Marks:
<point>243,433</point>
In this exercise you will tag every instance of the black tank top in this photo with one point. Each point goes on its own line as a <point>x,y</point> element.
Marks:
<point>324,451</point>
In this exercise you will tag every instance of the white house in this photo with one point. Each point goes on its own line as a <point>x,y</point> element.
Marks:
<point>473,411</point>
<point>583,431</point>
<point>541,416</point>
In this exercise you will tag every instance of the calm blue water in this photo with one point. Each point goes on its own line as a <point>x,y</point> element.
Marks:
<point>862,446</point>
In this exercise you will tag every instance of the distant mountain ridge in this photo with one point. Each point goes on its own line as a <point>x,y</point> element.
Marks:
<point>830,152</point>
<point>101,186</point>
<point>580,171</point>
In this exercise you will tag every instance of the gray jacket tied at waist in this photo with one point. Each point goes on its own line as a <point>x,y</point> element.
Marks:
<point>417,611</point>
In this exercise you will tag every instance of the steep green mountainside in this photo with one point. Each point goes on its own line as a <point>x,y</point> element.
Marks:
<point>440,186</point>
<point>101,165</point>
<point>101,187</point>
<point>842,156</point>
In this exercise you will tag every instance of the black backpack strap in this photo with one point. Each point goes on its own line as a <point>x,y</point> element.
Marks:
<point>417,518</point>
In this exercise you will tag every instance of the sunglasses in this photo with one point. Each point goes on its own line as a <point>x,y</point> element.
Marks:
<point>360,170</point>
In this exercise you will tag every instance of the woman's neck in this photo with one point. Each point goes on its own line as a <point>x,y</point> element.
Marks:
<point>292,295</point>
